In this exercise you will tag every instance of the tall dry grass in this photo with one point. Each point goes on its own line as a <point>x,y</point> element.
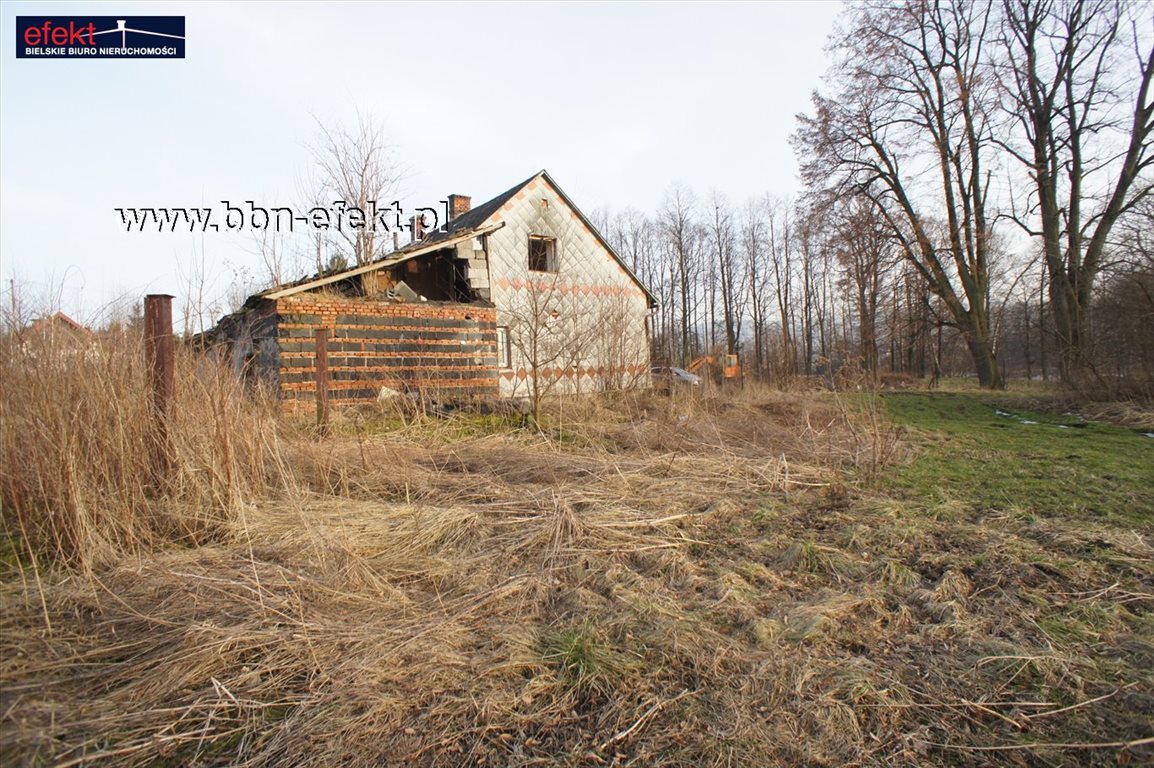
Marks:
<point>636,580</point>
<point>78,437</point>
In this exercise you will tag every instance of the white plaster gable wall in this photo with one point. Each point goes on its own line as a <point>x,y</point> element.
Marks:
<point>597,339</point>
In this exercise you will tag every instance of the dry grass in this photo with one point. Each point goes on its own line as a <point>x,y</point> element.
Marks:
<point>77,439</point>
<point>642,581</point>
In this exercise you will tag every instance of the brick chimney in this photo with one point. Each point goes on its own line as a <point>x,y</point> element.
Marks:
<point>459,205</point>
<point>417,227</point>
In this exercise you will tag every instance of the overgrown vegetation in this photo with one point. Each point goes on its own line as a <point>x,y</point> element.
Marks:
<point>80,449</point>
<point>738,579</point>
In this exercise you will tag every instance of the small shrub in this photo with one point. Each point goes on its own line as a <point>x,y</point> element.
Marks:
<point>581,660</point>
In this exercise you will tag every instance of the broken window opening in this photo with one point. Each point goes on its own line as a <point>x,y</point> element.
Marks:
<point>436,276</point>
<point>542,254</point>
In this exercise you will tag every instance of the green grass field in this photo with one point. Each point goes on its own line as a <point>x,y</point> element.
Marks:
<point>991,454</point>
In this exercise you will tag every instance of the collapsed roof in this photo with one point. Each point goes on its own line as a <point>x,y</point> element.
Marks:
<point>473,223</point>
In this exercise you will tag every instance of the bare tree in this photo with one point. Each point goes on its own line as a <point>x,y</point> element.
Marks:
<point>195,285</point>
<point>314,251</point>
<point>781,248</point>
<point>1086,139</point>
<point>356,168</point>
<point>865,251</point>
<point>548,333</point>
<point>730,275</point>
<point>754,234</point>
<point>678,227</point>
<point>618,340</point>
<point>912,104</point>
<point>269,244</point>
<point>806,227</point>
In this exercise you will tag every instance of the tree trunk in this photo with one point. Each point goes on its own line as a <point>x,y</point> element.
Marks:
<point>1072,330</point>
<point>981,348</point>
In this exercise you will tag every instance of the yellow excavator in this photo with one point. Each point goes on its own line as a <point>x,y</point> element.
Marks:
<point>722,368</point>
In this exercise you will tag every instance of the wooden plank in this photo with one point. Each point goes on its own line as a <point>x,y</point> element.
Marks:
<point>322,374</point>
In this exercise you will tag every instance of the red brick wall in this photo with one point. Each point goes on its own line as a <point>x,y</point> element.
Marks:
<point>441,350</point>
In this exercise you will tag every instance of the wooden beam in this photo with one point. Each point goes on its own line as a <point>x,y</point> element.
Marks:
<point>401,257</point>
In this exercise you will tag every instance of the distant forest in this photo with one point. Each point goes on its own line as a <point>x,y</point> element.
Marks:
<point>977,203</point>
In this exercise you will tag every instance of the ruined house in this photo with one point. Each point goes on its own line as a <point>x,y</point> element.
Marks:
<point>519,295</point>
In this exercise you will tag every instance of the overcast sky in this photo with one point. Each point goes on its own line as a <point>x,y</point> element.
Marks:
<point>617,101</point>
